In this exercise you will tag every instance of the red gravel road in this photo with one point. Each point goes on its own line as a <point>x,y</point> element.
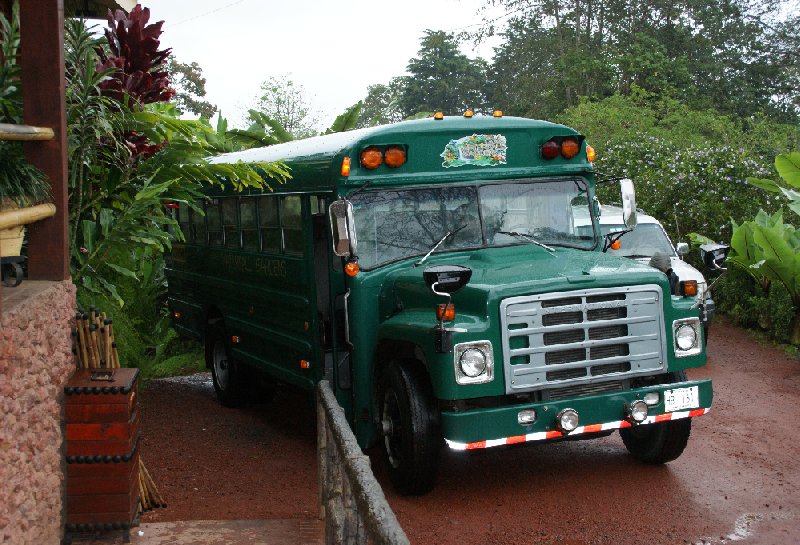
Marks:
<point>738,481</point>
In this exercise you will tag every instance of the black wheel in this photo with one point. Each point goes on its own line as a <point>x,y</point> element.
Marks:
<point>410,427</point>
<point>224,371</point>
<point>659,443</point>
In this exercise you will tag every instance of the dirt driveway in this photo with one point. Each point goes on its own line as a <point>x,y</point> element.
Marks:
<point>738,480</point>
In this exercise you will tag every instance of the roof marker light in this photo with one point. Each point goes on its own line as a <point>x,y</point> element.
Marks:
<point>497,113</point>
<point>438,115</point>
<point>469,113</point>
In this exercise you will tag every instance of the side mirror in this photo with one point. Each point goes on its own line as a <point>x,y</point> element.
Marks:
<point>682,248</point>
<point>628,202</point>
<point>446,279</point>
<point>343,228</point>
<point>713,255</point>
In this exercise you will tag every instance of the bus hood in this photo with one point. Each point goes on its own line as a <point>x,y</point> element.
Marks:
<point>498,273</point>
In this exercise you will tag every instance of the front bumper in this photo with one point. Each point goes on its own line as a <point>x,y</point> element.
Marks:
<point>483,428</point>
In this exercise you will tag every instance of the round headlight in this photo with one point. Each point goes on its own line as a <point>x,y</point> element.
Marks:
<point>472,362</point>
<point>567,420</point>
<point>638,411</point>
<point>685,337</point>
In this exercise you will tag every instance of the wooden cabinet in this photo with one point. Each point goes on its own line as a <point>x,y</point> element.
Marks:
<point>101,413</point>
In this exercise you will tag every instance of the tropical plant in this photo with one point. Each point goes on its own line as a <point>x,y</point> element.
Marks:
<point>769,249</point>
<point>20,183</point>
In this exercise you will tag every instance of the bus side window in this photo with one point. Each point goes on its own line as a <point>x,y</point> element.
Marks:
<point>183,221</point>
<point>292,220</point>
<point>269,225</point>
<point>230,224</point>
<point>247,215</point>
<point>199,226</point>
<point>213,222</point>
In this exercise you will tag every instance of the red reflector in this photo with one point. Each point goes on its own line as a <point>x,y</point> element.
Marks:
<point>171,204</point>
<point>305,364</point>
<point>235,339</point>
<point>551,149</point>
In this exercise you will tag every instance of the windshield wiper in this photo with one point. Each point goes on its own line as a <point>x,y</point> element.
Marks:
<point>448,235</point>
<point>529,238</point>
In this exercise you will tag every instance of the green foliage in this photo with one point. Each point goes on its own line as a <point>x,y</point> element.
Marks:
<point>348,120</point>
<point>788,167</point>
<point>443,79</point>
<point>381,105</point>
<point>726,55</point>
<point>20,182</point>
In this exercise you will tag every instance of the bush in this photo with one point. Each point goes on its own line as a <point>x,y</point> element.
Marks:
<point>750,305</point>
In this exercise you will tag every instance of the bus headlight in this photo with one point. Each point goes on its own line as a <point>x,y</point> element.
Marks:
<point>686,337</point>
<point>474,362</point>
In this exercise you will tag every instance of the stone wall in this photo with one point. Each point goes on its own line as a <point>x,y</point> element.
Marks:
<point>35,362</point>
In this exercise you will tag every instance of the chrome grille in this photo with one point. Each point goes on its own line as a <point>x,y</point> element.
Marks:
<point>586,336</point>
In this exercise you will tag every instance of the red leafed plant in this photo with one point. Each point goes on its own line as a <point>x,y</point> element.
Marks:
<point>134,51</point>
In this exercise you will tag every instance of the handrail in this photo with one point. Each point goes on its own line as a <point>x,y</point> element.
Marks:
<point>11,131</point>
<point>351,500</point>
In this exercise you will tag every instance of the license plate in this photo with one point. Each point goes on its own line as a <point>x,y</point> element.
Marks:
<point>681,398</point>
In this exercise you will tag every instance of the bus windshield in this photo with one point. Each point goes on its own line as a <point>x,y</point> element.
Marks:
<point>399,224</point>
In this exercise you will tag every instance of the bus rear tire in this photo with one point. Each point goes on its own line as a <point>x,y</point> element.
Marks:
<point>410,428</point>
<point>225,372</point>
<point>659,443</point>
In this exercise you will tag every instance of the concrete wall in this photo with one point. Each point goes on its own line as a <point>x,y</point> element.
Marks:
<point>35,362</point>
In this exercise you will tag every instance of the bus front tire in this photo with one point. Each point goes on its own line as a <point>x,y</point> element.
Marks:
<point>659,443</point>
<point>410,428</point>
<point>224,370</point>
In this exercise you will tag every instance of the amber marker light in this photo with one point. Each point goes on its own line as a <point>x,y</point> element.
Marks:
<point>371,158</point>
<point>469,113</point>
<point>497,113</point>
<point>176,315</point>
<point>438,116</point>
<point>394,156</point>
<point>570,148</point>
<point>590,153</point>
<point>446,312</point>
<point>616,245</point>
<point>351,268</point>
<point>346,167</point>
<point>689,288</point>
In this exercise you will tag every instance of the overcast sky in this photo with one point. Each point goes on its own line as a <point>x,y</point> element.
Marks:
<point>334,49</point>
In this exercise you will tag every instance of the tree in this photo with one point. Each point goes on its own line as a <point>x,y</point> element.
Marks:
<point>381,105</point>
<point>190,87</point>
<point>443,79</point>
<point>285,102</point>
<point>720,54</point>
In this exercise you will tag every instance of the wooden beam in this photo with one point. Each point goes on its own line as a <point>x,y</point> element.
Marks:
<point>10,131</point>
<point>42,59</point>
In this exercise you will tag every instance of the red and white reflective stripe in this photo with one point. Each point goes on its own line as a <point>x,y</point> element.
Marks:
<point>592,428</point>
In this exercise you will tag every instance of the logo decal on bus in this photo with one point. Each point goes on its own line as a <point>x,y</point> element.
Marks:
<point>483,150</point>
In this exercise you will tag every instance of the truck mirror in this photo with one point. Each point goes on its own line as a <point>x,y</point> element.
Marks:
<point>682,249</point>
<point>343,228</point>
<point>446,279</point>
<point>714,255</point>
<point>628,202</point>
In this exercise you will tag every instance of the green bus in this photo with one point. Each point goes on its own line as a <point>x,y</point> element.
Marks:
<point>448,277</point>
